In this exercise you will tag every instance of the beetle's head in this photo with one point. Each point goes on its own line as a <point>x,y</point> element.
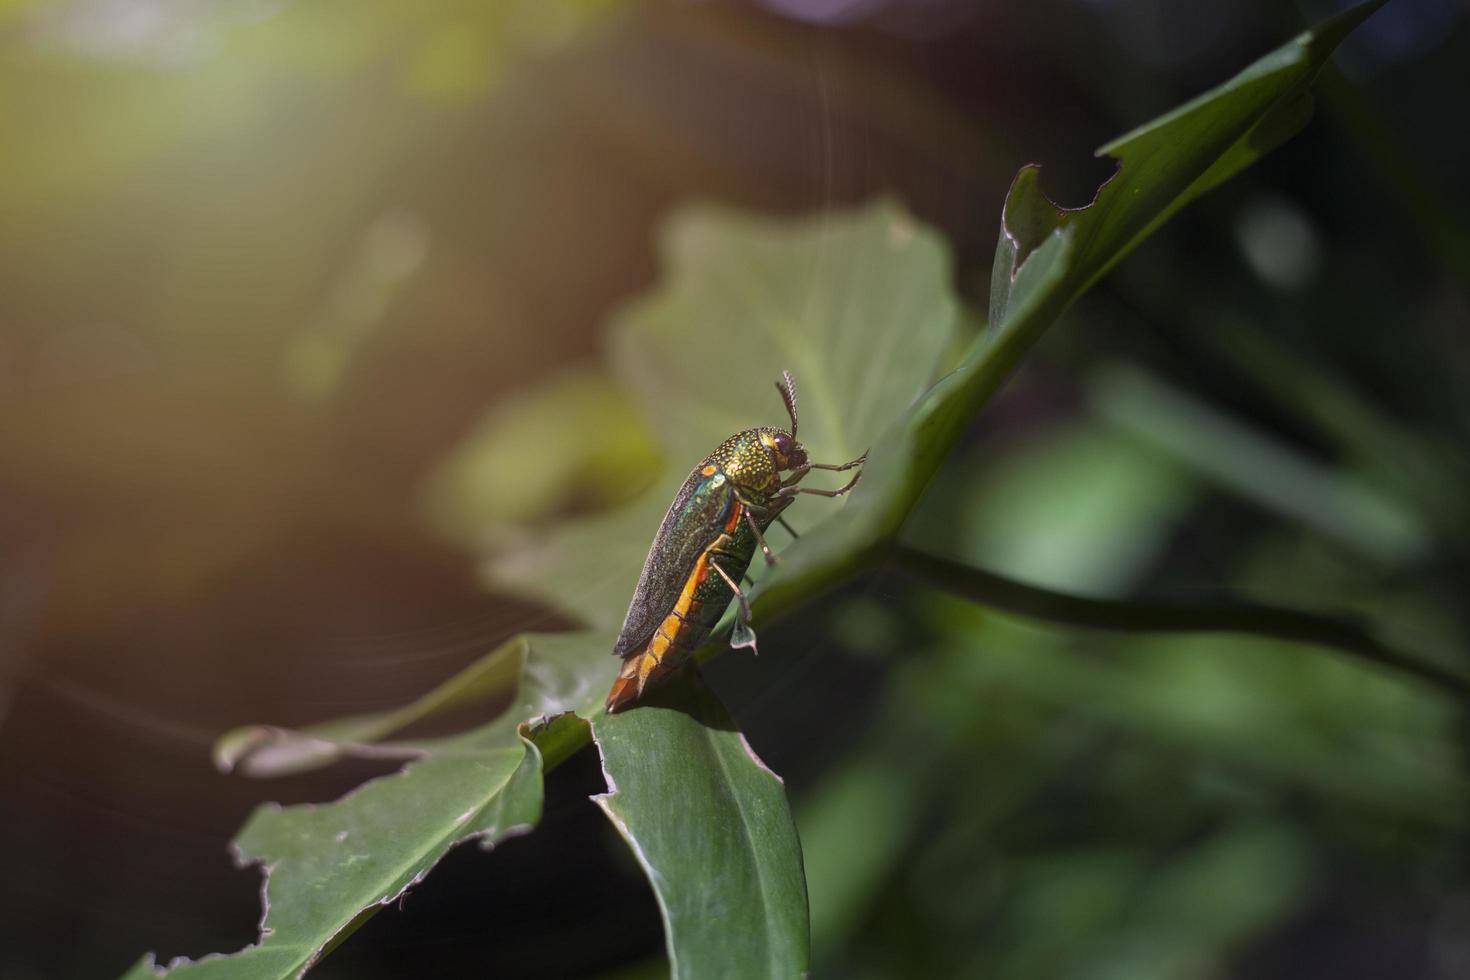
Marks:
<point>786,452</point>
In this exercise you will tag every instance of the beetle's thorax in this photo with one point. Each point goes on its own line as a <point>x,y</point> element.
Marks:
<point>746,461</point>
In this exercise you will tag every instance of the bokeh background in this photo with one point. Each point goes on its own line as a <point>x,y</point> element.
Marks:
<point>275,275</point>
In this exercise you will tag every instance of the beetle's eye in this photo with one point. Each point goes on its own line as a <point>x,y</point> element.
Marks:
<point>783,444</point>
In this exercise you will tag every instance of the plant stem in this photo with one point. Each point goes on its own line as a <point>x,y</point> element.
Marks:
<point>1343,633</point>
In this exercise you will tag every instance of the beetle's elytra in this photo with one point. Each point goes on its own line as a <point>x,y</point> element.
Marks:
<point>704,545</point>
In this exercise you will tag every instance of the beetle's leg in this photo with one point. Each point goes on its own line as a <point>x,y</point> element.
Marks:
<point>760,538</point>
<point>791,491</point>
<point>750,510</point>
<point>789,529</point>
<point>797,475</point>
<point>800,472</point>
<point>742,635</point>
<point>839,466</point>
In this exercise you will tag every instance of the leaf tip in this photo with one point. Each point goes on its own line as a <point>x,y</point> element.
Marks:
<point>260,751</point>
<point>759,762</point>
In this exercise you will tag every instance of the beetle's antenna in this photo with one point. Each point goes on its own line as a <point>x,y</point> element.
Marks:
<point>787,387</point>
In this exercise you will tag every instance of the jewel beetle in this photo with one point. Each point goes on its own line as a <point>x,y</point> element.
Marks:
<point>704,545</point>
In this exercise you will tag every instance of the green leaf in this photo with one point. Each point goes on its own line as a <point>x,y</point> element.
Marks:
<point>327,868</point>
<point>1168,162</point>
<point>711,827</point>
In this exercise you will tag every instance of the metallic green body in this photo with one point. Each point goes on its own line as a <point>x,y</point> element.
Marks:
<point>704,546</point>
<point>738,474</point>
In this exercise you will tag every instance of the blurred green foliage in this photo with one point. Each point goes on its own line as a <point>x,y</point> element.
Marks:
<point>1080,488</point>
<point>574,442</point>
